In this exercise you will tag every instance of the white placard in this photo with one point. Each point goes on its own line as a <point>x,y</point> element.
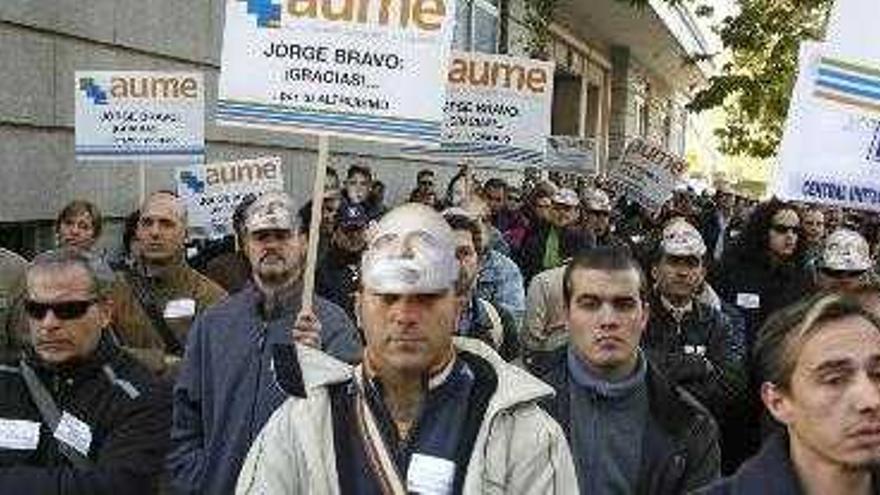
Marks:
<point>497,108</point>
<point>367,69</point>
<point>572,153</point>
<point>139,115</point>
<point>830,151</point>
<point>212,191</point>
<point>647,174</point>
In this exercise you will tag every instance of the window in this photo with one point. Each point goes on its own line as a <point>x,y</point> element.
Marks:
<point>476,26</point>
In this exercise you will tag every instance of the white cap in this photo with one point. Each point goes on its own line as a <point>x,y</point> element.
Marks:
<point>411,250</point>
<point>271,211</point>
<point>682,239</point>
<point>846,250</point>
<point>597,200</point>
<point>565,196</point>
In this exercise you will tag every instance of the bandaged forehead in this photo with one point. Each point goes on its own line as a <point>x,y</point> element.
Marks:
<point>410,251</point>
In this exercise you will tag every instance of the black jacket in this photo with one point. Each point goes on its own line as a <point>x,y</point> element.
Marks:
<point>127,410</point>
<point>717,377</point>
<point>770,471</point>
<point>742,275</point>
<point>337,279</point>
<point>531,256</point>
<point>680,448</point>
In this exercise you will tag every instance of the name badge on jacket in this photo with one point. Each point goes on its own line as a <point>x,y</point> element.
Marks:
<point>74,432</point>
<point>748,301</point>
<point>19,434</point>
<point>430,475</point>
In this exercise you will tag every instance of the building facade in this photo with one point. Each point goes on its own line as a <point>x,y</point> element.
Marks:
<point>621,73</point>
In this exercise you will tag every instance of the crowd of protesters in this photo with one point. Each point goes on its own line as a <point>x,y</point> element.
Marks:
<point>480,338</point>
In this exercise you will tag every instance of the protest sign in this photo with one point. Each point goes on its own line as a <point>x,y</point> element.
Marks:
<point>368,69</point>
<point>830,151</point>
<point>647,174</point>
<point>572,154</point>
<point>497,108</point>
<point>212,191</point>
<point>139,115</point>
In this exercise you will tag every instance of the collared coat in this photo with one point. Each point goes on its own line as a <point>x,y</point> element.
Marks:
<point>519,449</point>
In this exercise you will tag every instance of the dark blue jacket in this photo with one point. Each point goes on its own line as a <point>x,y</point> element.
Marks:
<point>227,390</point>
<point>770,472</point>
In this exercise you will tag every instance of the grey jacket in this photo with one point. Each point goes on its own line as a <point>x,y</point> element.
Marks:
<point>227,386</point>
<point>519,449</point>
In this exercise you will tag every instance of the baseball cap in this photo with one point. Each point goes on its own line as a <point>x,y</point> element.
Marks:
<point>353,216</point>
<point>566,197</point>
<point>597,200</point>
<point>682,239</point>
<point>271,211</point>
<point>846,250</point>
<point>411,250</point>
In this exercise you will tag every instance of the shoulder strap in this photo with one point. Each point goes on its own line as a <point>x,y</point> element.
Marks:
<point>50,414</point>
<point>145,299</point>
<point>497,330</point>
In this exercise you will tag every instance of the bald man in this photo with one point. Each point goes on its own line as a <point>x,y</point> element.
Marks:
<point>155,301</point>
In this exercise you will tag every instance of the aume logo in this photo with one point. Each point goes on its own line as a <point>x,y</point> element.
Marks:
<point>92,91</point>
<point>268,13</point>
<point>192,181</point>
<point>425,15</point>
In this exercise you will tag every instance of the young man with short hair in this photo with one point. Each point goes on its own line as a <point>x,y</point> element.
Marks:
<point>630,429</point>
<point>819,361</point>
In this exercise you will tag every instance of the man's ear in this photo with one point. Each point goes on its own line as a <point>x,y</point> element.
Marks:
<point>105,311</point>
<point>655,271</point>
<point>777,402</point>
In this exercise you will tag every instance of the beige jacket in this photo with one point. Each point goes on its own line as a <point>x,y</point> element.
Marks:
<point>545,325</point>
<point>519,448</point>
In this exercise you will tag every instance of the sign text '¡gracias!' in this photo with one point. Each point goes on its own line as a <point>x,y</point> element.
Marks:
<point>425,15</point>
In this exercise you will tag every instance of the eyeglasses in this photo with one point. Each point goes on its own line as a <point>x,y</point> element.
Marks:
<point>785,229</point>
<point>841,274</point>
<point>63,310</point>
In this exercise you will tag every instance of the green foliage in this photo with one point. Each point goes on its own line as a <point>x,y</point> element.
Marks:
<point>539,14</point>
<point>755,85</point>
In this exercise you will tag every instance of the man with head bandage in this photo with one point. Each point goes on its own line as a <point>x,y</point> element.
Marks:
<point>426,412</point>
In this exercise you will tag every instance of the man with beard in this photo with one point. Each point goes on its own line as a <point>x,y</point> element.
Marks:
<point>232,377</point>
<point>338,272</point>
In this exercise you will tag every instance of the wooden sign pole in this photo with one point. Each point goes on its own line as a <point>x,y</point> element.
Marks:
<point>315,225</point>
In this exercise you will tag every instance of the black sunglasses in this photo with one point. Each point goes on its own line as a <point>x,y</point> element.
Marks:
<point>63,310</point>
<point>784,229</point>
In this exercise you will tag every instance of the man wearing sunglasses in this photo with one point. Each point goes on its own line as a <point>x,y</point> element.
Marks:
<point>78,415</point>
<point>845,263</point>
